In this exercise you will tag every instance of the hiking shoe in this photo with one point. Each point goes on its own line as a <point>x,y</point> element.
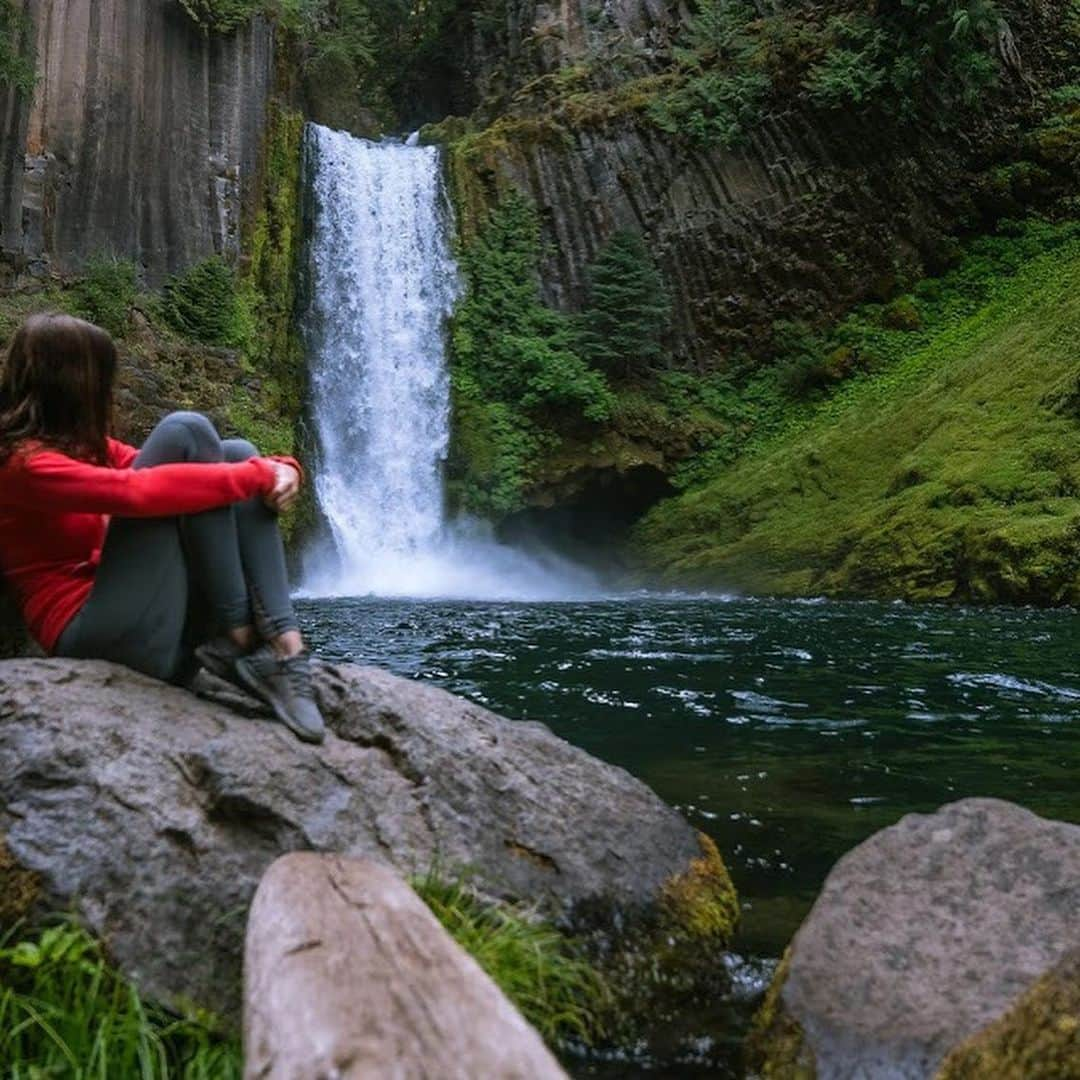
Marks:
<point>285,685</point>
<point>219,658</point>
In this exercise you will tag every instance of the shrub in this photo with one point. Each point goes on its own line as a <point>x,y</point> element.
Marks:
<point>731,63</point>
<point>106,292</point>
<point>901,314</point>
<point>721,92</point>
<point>204,303</point>
<point>852,71</point>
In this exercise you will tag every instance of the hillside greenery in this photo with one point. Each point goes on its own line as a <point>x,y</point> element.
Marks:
<point>946,466</point>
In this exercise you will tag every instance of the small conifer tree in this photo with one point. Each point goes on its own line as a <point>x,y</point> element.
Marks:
<point>629,308</point>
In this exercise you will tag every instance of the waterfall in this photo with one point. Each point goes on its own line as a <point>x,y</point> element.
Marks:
<point>382,285</point>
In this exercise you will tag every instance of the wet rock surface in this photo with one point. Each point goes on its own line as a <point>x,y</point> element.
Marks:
<point>923,935</point>
<point>154,814</point>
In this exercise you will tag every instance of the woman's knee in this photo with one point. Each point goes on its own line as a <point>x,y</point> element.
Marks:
<point>184,436</point>
<point>238,450</point>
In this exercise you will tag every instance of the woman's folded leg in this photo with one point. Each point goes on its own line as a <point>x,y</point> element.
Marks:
<point>138,609</point>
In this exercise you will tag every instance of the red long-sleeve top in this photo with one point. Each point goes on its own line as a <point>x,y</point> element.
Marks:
<point>54,511</point>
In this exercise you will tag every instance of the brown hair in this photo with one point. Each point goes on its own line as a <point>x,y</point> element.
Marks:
<point>57,387</point>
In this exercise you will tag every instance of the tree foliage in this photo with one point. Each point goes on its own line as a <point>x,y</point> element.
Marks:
<point>16,54</point>
<point>106,291</point>
<point>732,64</point>
<point>515,348</point>
<point>629,309</point>
<point>204,303</point>
<point>515,365</point>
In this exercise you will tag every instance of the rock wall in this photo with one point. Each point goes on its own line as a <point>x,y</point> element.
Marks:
<point>141,138</point>
<point>811,212</point>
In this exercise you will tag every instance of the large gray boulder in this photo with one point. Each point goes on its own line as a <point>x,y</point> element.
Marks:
<point>155,813</point>
<point>923,935</point>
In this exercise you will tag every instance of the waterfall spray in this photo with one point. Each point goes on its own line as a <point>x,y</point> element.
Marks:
<point>383,284</point>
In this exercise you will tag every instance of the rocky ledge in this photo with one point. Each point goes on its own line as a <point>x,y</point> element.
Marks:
<point>943,947</point>
<point>153,813</point>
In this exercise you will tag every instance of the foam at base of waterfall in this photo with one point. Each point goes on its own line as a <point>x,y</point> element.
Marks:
<point>466,563</point>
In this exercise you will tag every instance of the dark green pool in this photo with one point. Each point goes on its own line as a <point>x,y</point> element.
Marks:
<point>789,731</point>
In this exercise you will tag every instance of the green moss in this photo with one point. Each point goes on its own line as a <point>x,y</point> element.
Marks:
<point>20,889</point>
<point>701,902</point>
<point>940,474</point>
<point>776,1048</point>
<point>269,415</point>
<point>1037,1039</point>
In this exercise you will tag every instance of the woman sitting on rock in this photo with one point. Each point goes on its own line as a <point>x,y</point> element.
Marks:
<point>104,545</point>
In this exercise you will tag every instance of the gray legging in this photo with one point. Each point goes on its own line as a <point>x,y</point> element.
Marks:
<point>163,579</point>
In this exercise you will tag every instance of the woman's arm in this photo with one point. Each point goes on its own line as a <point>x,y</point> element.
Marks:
<point>48,480</point>
<point>120,454</point>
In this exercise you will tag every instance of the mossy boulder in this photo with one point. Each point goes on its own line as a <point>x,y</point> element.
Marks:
<point>923,936</point>
<point>1037,1039</point>
<point>701,902</point>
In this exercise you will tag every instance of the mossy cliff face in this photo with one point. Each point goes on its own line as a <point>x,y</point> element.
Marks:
<point>771,209</point>
<point>803,214</point>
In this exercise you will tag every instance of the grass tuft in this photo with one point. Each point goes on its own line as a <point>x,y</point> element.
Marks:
<point>535,965</point>
<point>64,1012</point>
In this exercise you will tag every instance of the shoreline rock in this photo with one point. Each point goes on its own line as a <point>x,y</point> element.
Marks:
<point>923,936</point>
<point>154,813</point>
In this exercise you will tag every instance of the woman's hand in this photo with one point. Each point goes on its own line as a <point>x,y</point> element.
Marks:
<point>286,488</point>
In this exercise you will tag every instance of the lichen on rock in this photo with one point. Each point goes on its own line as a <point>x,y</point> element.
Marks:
<point>776,1047</point>
<point>701,901</point>
<point>1037,1039</point>
<point>20,889</point>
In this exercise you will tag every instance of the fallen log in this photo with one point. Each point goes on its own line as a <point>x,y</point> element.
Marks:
<point>347,974</point>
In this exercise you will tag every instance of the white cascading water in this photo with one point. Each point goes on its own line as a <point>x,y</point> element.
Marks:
<point>383,283</point>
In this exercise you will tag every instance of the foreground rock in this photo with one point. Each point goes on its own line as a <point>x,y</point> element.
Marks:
<point>155,813</point>
<point>924,935</point>
<point>347,974</point>
<point>1037,1039</point>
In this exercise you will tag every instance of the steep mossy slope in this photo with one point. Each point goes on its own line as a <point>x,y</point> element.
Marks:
<point>953,472</point>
